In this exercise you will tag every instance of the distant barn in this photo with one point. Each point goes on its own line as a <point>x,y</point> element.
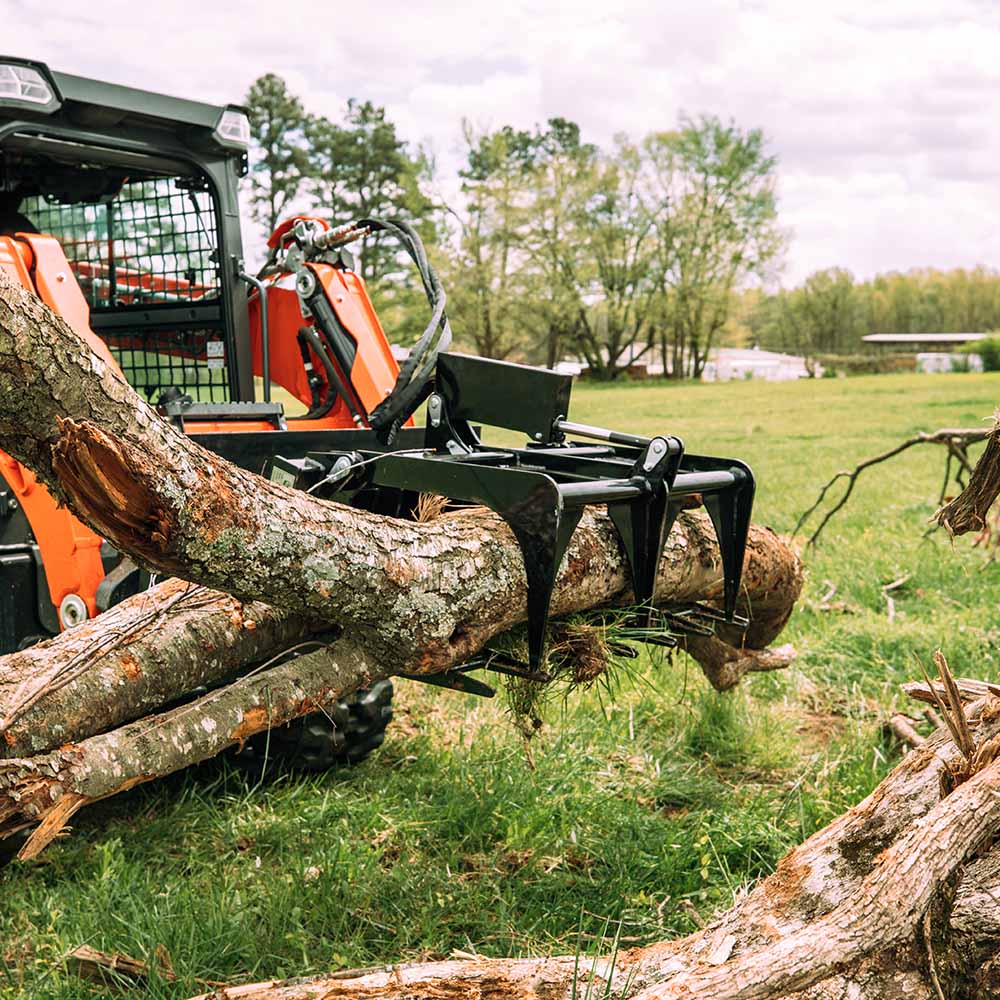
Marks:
<point>933,350</point>
<point>915,341</point>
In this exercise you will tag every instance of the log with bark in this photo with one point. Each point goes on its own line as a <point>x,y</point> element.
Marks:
<point>889,901</point>
<point>429,593</point>
<point>82,716</point>
<point>897,898</point>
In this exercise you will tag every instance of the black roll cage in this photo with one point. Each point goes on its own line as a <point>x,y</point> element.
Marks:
<point>131,129</point>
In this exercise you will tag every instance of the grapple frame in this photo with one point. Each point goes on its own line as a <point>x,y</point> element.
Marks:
<point>542,489</point>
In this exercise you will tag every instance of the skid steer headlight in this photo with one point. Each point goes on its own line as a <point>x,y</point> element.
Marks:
<point>24,85</point>
<point>233,129</point>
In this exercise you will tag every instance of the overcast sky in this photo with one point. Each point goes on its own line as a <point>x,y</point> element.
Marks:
<point>882,113</point>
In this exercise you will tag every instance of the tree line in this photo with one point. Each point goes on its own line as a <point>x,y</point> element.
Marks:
<point>830,312</point>
<point>648,250</point>
<point>555,247</point>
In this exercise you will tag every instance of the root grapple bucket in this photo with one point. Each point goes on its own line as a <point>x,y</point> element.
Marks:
<point>542,489</point>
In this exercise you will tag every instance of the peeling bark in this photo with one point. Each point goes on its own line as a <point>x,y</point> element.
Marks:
<point>47,789</point>
<point>967,512</point>
<point>843,916</point>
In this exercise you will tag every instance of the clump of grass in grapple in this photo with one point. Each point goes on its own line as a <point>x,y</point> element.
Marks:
<point>597,648</point>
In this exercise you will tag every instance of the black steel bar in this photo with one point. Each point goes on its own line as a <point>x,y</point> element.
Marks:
<point>614,437</point>
<point>265,346</point>
<point>606,491</point>
<point>703,482</point>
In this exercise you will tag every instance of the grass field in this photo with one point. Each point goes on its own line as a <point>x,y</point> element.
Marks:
<point>635,813</point>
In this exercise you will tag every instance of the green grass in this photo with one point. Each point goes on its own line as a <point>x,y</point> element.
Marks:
<point>454,836</point>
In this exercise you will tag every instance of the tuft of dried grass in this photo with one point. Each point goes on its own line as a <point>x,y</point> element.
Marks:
<point>430,507</point>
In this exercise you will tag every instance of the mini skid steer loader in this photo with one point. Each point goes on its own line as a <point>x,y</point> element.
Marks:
<point>119,209</point>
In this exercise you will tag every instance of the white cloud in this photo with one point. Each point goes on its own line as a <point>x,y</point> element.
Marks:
<point>880,113</point>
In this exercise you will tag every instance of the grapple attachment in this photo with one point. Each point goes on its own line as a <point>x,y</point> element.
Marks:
<point>542,489</point>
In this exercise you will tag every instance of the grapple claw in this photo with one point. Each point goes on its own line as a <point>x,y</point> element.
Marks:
<point>542,489</point>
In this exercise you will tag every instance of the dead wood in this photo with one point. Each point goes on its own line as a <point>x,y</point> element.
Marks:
<point>45,790</point>
<point>844,914</point>
<point>122,972</point>
<point>932,693</point>
<point>903,729</point>
<point>967,512</point>
<point>138,656</point>
<point>956,441</point>
<point>724,665</point>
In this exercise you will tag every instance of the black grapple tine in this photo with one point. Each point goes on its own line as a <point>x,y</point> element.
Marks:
<point>529,501</point>
<point>730,509</point>
<point>543,537</point>
<point>644,524</point>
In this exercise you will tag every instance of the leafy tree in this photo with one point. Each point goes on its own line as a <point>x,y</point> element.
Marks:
<point>562,166</point>
<point>609,270</point>
<point>488,299</point>
<point>360,168</point>
<point>279,159</point>
<point>718,227</point>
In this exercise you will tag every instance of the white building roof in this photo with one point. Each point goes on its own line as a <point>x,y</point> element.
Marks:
<point>923,338</point>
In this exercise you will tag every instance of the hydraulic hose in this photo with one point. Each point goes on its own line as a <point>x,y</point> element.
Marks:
<point>333,380</point>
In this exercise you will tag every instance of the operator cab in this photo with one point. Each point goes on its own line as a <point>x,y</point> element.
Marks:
<point>140,190</point>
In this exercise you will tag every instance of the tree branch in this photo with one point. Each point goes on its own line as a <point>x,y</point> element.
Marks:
<point>951,437</point>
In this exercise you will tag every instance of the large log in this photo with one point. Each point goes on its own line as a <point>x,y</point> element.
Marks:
<point>79,689</point>
<point>132,660</point>
<point>429,594</point>
<point>880,904</point>
<point>45,790</point>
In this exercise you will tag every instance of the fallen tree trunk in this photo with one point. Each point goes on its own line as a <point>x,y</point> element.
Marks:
<point>880,904</point>
<point>159,645</point>
<point>135,658</point>
<point>414,597</point>
<point>45,789</point>
<point>427,594</point>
